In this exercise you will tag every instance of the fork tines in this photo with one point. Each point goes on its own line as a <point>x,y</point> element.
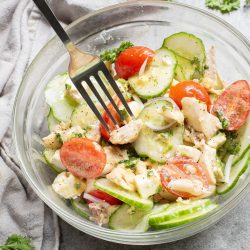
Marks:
<point>88,76</point>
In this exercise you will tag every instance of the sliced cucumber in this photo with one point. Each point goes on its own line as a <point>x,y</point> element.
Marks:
<point>48,154</point>
<point>237,170</point>
<point>188,68</point>
<point>175,210</point>
<point>241,160</point>
<point>179,74</point>
<point>54,95</point>
<point>158,146</point>
<point>131,198</point>
<point>188,46</point>
<point>52,121</point>
<point>243,135</point>
<point>153,112</point>
<point>83,116</point>
<point>186,218</point>
<point>80,207</point>
<point>157,76</point>
<point>127,218</point>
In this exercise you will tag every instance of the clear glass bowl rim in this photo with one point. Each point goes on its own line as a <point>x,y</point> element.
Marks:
<point>198,225</point>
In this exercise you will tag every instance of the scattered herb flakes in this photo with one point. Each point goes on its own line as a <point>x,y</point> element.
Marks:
<point>59,138</point>
<point>130,163</point>
<point>223,120</point>
<point>77,185</point>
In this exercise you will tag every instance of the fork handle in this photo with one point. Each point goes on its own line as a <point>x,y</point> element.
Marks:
<point>51,18</point>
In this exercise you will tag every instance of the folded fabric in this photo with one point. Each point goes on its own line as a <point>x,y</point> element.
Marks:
<point>23,32</point>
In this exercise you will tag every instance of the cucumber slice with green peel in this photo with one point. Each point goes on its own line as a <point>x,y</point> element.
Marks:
<point>188,68</point>
<point>48,154</point>
<point>52,121</point>
<point>55,98</point>
<point>158,146</point>
<point>188,46</point>
<point>128,197</point>
<point>80,207</point>
<point>152,112</point>
<point>83,116</point>
<point>127,218</point>
<point>185,218</point>
<point>179,74</point>
<point>157,77</point>
<point>176,210</point>
<point>237,170</point>
<point>243,135</point>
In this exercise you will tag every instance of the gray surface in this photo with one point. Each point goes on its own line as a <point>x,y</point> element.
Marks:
<point>232,232</point>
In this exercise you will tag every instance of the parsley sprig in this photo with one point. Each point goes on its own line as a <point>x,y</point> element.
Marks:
<point>17,242</point>
<point>224,6</point>
<point>111,55</point>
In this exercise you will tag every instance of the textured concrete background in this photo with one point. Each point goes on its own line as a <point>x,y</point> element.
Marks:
<point>231,233</point>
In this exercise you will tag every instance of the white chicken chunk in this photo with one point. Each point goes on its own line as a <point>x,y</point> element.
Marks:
<point>141,167</point>
<point>209,162</point>
<point>90,185</point>
<point>93,133</point>
<point>194,137</point>
<point>197,116</point>
<point>211,80</point>
<point>194,187</point>
<point>113,156</point>
<point>173,115</point>
<point>52,141</point>
<point>68,186</point>
<point>135,107</point>
<point>100,212</point>
<point>217,141</point>
<point>191,152</point>
<point>122,177</point>
<point>148,183</point>
<point>70,133</point>
<point>56,160</point>
<point>126,134</point>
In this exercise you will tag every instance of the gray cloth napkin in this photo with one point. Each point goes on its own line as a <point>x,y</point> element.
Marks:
<point>23,32</point>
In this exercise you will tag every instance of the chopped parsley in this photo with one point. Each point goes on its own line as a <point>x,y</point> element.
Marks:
<point>150,173</point>
<point>77,185</point>
<point>111,55</point>
<point>124,113</point>
<point>67,86</point>
<point>76,135</point>
<point>224,6</point>
<point>231,146</point>
<point>130,163</point>
<point>17,242</point>
<point>223,120</point>
<point>59,138</point>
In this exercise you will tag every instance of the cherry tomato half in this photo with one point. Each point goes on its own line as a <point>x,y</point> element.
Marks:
<point>105,197</point>
<point>189,89</point>
<point>82,157</point>
<point>177,169</point>
<point>234,105</point>
<point>129,62</point>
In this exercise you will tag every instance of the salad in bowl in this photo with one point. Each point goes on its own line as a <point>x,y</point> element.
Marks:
<point>187,144</point>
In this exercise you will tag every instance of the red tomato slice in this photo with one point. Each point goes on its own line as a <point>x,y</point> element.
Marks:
<point>129,62</point>
<point>105,197</point>
<point>107,119</point>
<point>176,169</point>
<point>234,104</point>
<point>82,157</point>
<point>189,89</point>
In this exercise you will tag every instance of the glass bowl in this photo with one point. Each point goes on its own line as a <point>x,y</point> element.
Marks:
<point>144,23</point>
